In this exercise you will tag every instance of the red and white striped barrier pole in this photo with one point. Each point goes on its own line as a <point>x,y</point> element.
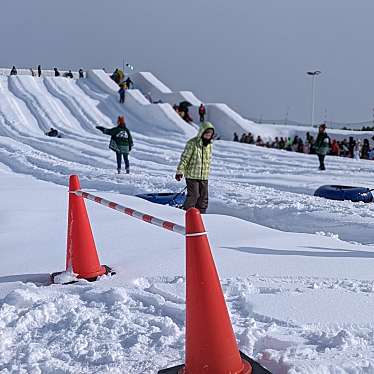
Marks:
<point>133,213</point>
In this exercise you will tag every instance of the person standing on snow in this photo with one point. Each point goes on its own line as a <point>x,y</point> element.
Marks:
<point>129,83</point>
<point>322,145</point>
<point>202,112</point>
<point>122,93</point>
<point>357,150</point>
<point>13,71</point>
<point>195,167</point>
<point>120,142</point>
<point>57,73</point>
<point>69,74</point>
<point>39,71</point>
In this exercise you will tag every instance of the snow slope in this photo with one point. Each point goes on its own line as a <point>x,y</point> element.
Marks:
<point>299,303</point>
<point>225,120</point>
<point>159,118</point>
<point>269,187</point>
<point>296,270</point>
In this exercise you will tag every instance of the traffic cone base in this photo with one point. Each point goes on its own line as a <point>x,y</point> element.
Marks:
<point>82,259</point>
<point>250,367</point>
<point>95,274</point>
<point>89,277</point>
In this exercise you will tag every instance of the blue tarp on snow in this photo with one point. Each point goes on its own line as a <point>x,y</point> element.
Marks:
<point>354,194</point>
<point>165,198</point>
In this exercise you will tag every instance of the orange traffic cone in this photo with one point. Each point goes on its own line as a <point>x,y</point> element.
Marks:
<point>81,254</point>
<point>211,346</point>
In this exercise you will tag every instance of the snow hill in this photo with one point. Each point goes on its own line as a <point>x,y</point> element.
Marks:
<point>296,270</point>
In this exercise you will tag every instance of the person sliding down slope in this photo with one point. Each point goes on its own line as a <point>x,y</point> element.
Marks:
<point>120,142</point>
<point>195,166</point>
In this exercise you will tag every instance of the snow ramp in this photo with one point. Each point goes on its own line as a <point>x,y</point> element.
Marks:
<point>152,119</point>
<point>225,120</point>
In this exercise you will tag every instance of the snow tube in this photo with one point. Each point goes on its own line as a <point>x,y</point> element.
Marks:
<point>354,194</point>
<point>165,198</point>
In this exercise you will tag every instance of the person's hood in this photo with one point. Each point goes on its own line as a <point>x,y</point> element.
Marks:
<point>203,127</point>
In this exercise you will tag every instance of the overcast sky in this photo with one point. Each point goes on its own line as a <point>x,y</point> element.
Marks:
<point>251,54</point>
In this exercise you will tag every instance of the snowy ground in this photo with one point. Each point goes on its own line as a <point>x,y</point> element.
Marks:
<point>300,302</point>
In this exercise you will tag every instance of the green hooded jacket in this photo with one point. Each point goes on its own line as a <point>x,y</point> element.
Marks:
<point>196,158</point>
<point>121,139</point>
<point>322,144</point>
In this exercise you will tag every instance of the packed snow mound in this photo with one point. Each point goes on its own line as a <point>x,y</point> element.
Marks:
<point>139,329</point>
<point>61,103</point>
<point>157,119</point>
<point>225,120</point>
<point>266,186</point>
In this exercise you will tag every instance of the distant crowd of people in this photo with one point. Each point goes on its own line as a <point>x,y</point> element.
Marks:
<point>344,148</point>
<point>39,73</point>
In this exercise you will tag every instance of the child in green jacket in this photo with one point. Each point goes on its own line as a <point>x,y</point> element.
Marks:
<point>195,167</point>
<point>120,142</point>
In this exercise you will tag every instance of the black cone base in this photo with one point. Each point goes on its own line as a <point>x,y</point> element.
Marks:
<point>256,367</point>
<point>108,270</point>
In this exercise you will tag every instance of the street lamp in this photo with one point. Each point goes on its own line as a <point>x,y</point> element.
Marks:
<point>126,65</point>
<point>314,75</point>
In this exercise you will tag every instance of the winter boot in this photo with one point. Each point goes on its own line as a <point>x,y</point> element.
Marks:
<point>119,171</point>
<point>127,171</point>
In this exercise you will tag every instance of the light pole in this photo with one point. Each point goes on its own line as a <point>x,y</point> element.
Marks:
<point>314,75</point>
<point>126,65</point>
<point>286,117</point>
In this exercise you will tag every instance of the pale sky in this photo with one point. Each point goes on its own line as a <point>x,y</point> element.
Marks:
<point>250,54</point>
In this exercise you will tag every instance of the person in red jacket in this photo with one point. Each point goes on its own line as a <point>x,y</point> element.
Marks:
<point>202,112</point>
<point>335,150</point>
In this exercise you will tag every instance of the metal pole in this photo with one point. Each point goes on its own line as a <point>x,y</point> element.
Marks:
<point>313,97</point>
<point>286,118</point>
<point>171,226</point>
<point>313,74</point>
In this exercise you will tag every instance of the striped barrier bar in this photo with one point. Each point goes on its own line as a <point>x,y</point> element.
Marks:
<point>133,213</point>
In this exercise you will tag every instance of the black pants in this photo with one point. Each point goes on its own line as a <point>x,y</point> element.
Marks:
<point>202,117</point>
<point>321,159</point>
<point>122,98</point>
<point>197,195</point>
<point>125,158</point>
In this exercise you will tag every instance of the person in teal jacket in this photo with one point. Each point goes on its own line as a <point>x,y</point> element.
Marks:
<point>322,146</point>
<point>120,142</point>
<point>194,165</point>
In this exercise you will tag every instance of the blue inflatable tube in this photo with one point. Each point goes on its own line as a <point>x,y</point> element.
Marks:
<point>165,198</point>
<point>342,193</point>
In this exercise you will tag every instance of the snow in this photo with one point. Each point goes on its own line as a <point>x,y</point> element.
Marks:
<point>296,270</point>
